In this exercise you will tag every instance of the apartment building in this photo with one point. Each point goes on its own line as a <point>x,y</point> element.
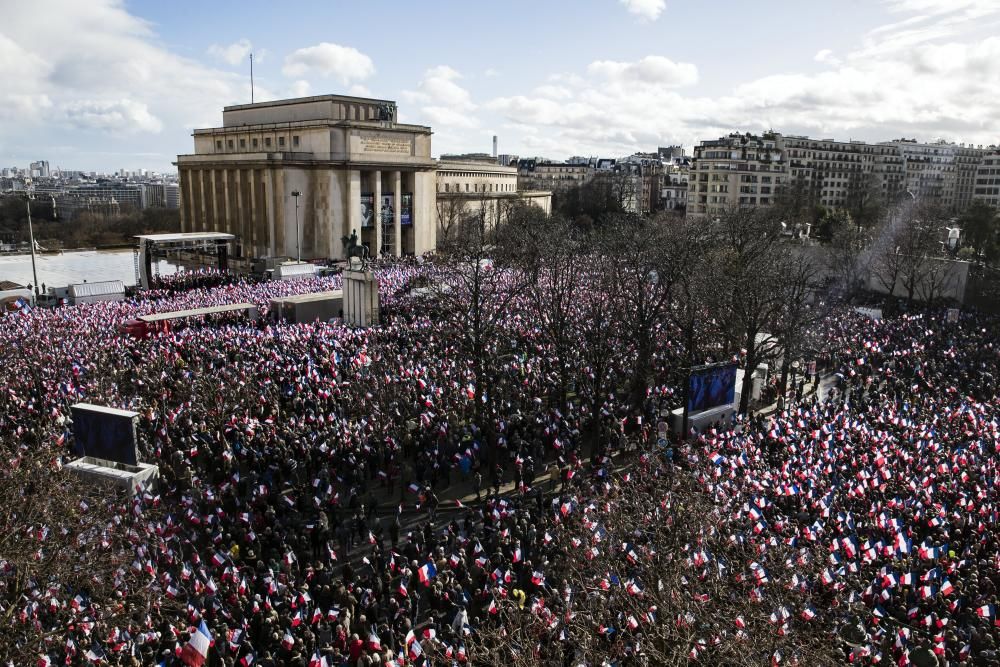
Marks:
<point>987,185</point>
<point>737,170</point>
<point>835,174</point>
<point>674,191</point>
<point>537,175</point>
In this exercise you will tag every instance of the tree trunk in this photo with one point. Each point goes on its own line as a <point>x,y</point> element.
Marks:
<point>785,365</point>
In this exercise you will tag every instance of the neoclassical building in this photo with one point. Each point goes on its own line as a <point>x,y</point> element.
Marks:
<point>479,186</point>
<point>292,177</point>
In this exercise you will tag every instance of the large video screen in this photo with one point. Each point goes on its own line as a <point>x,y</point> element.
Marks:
<point>711,386</point>
<point>104,435</point>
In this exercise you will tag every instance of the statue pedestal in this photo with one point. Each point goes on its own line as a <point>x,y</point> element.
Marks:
<point>361,307</point>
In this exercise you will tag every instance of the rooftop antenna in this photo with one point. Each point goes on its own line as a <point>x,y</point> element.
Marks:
<point>251,77</point>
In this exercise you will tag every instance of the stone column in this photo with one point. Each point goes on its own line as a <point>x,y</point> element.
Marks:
<point>215,201</point>
<point>273,204</point>
<point>186,194</point>
<point>397,211</point>
<point>354,202</point>
<point>240,212</point>
<point>252,214</point>
<point>227,215</point>
<point>377,249</point>
<point>203,204</point>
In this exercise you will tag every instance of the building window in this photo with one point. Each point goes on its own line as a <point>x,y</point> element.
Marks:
<point>218,144</point>
<point>281,141</point>
<point>267,142</point>
<point>229,143</point>
<point>253,142</point>
<point>295,140</point>
<point>243,143</point>
<point>466,187</point>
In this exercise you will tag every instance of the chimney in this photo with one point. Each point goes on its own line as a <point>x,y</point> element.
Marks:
<point>494,146</point>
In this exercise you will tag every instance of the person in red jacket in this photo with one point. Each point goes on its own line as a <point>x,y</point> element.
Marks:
<point>355,648</point>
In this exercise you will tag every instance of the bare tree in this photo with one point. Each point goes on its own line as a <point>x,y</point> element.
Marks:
<point>600,334</point>
<point>479,285</point>
<point>800,310</point>
<point>750,299</point>
<point>555,258</point>
<point>846,259</point>
<point>652,255</point>
<point>451,211</point>
<point>919,246</point>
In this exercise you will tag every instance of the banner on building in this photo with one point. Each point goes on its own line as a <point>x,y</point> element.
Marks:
<point>406,214</point>
<point>367,210</point>
<point>387,211</point>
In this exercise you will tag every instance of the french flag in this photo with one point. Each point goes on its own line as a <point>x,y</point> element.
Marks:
<point>218,559</point>
<point>517,555</point>
<point>537,578</point>
<point>195,652</point>
<point>288,642</point>
<point>987,611</point>
<point>426,573</point>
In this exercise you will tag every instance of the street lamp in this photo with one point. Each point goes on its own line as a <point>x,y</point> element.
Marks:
<point>298,249</point>
<point>31,240</point>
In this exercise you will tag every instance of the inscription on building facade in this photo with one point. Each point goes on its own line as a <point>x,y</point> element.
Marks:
<point>380,143</point>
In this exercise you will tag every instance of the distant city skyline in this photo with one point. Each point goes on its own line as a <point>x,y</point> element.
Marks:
<point>106,85</point>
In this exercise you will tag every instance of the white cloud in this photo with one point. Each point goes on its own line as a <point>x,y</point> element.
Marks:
<point>234,53</point>
<point>553,92</point>
<point>440,86</point>
<point>344,63</point>
<point>440,101</point>
<point>826,56</point>
<point>359,91</point>
<point>647,9</point>
<point>490,73</point>
<point>102,69</point>
<point>918,77</point>
<point>651,69</point>
<point>121,116</point>
<point>299,88</point>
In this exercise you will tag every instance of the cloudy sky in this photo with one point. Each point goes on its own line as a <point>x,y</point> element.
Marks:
<point>107,84</point>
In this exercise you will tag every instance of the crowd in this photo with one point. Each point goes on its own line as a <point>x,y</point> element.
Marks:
<point>300,519</point>
<point>886,493</point>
